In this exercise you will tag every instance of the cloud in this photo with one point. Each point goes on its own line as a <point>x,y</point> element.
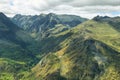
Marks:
<point>79,3</point>
<point>84,8</point>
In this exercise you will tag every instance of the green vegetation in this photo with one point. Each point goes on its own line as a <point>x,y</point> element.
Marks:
<point>15,57</point>
<point>89,51</point>
<point>9,69</point>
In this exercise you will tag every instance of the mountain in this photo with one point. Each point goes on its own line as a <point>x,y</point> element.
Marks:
<point>68,50</point>
<point>39,24</point>
<point>15,56</point>
<point>89,51</point>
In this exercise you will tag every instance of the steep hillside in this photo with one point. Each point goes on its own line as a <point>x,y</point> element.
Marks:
<point>91,51</point>
<point>14,53</point>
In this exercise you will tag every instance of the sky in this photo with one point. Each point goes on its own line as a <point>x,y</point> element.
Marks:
<point>83,8</point>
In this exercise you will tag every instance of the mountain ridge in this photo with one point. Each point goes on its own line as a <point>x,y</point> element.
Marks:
<point>83,55</point>
<point>39,24</point>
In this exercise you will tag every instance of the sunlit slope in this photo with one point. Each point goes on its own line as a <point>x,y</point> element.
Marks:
<point>90,52</point>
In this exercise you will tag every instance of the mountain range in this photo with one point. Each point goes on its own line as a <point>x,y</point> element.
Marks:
<point>38,25</point>
<point>59,47</point>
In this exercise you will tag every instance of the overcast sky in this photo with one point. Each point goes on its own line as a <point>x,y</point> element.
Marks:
<point>83,8</point>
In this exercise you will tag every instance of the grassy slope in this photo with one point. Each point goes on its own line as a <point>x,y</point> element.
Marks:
<point>9,68</point>
<point>103,32</point>
<point>90,53</point>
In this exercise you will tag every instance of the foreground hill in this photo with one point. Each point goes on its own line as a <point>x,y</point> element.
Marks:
<point>90,51</point>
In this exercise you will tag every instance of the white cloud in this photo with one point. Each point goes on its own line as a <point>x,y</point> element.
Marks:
<point>84,8</point>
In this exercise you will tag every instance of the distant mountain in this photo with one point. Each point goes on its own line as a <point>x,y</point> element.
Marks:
<point>38,24</point>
